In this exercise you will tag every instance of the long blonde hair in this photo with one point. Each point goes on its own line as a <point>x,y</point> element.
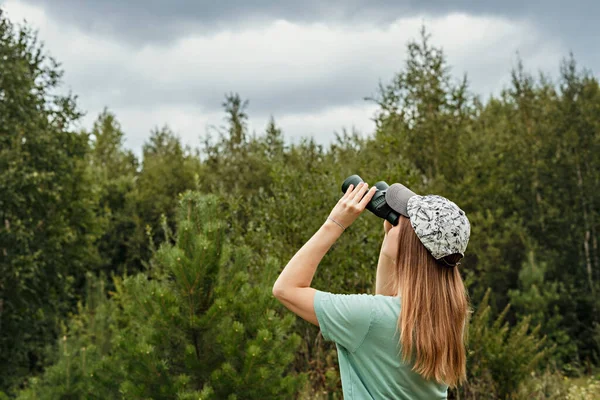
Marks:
<point>434,311</point>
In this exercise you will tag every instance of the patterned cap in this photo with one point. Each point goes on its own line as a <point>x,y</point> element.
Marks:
<point>440,224</point>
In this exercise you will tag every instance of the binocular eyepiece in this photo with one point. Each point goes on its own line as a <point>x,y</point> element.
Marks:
<point>378,204</point>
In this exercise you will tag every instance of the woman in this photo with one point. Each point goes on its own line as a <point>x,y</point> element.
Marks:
<point>407,340</point>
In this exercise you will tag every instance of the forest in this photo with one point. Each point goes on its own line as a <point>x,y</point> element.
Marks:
<point>151,277</point>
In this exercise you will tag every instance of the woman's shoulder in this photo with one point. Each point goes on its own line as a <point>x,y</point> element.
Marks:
<point>386,307</point>
<point>360,300</point>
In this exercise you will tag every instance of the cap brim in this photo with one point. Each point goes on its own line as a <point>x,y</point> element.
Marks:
<point>397,196</point>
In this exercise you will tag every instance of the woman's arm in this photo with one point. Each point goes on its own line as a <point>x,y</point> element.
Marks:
<point>384,282</point>
<point>292,287</point>
<point>385,271</point>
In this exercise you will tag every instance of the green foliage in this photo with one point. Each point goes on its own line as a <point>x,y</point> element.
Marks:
<point>236,162</point>
<point>500,358</point>
<point>423,115</point>
<point>196,319</point>
<point>538,299</point>
<point>168,169</point>
<point>115,171</point>
<point>552,385</point>
<point>47,202</point>
<point>196,329</point>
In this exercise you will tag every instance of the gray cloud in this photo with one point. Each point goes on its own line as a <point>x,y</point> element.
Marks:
<point>155,20</point>
<point>155,61</point>
<point>139,22</point>
<point>301,97</point>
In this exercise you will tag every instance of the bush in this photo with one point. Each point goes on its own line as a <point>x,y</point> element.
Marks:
<point>500,358</point>
<point>553,385</point>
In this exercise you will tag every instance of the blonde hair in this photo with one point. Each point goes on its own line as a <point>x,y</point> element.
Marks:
<point>434,311</point>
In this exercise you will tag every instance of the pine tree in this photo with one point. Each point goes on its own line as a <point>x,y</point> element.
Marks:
<point>193,327</point>
<point>424,114</point>
<point>168,169</point>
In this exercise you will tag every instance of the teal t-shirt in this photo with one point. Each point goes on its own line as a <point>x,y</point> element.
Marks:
<point>364,328</point>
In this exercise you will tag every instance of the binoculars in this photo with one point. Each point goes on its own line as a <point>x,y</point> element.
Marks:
<point>377,205</point>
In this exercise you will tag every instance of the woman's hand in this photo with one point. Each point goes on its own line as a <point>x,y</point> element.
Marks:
<point>352,204</point>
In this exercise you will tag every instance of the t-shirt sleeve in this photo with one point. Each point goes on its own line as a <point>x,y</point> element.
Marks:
<point>344,318</point>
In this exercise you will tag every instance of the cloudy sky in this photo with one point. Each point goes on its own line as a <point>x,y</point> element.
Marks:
<point>308,63</point>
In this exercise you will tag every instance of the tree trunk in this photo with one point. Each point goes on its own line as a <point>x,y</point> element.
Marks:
<point>586,225</point>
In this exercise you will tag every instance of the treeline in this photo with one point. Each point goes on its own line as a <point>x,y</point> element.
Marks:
<point>151,278</point>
